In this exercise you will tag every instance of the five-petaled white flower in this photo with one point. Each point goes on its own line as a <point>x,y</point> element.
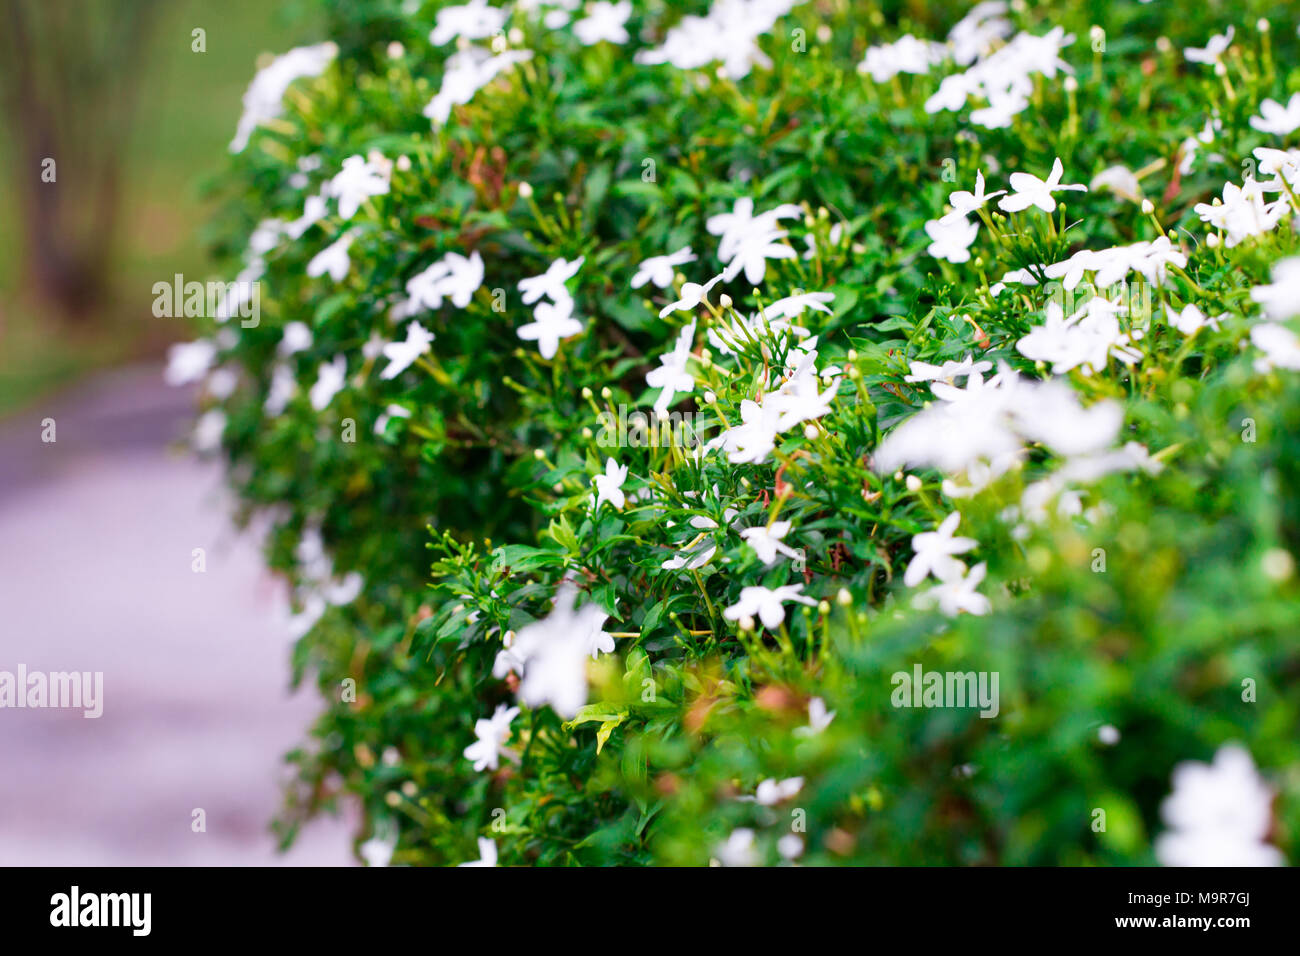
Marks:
<point>958,594</point>
<point>551,322</point>
<point>490,733</point>
<point>934,552</point>
<point>551,282</point>
<point>951,237</point>
<point>766,603</point>
<point>609,486</point>
<point>1032,191</point>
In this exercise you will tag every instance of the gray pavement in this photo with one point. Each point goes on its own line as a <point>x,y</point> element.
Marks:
<point>96,536</point>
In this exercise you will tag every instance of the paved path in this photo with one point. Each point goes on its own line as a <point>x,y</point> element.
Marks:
<point>96,535</point>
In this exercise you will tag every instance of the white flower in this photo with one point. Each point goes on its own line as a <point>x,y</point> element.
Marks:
<point>296,338</point>
<point>1212,50</point>
<point>1280,345</point>
<point>1243,211</point>
<point>283,387</point>
<point>401,355</point>
<point>948,372</point>
<point>189,361</point>
<point>692,557</point>
<point>1032,191</point>
<point>671,375</point>
<point>1191,319</point>
<point>490,733</point>
<point>604,21</point>
<point>819,718</point>
<point>487,852</point>
<point>1086,340</point>
<point>377,851</point>
<point>793,306</point>
<point>1281,300</point>
<point>609,486</point>
<point>345,591</point>
<point>551,282</point>
<point>389,413</point>
<point>766,603</point>
<point>660,269</point>
<point>464,74</point>
<point>333,259</point>
<point>964,203</point>
<point>957,594</point>
<point>736,226</point>
<point>313,211</point>
<point>934,552</point>
<point>359,179</point>
<point>692,295</point>
<point>907,54</point>
<point>766,542</point>
<point>551,323</point>
<point>329,382</point>
<point>739,849</point>
<point>754,438</point>
<point>1219,814</point>
<point>473,21</point>
<point>748,241</point>
<point>1120,180</point>
<point>727,33</point>
<point>208,431</point>
<point>1278,120</point>
<point>974,35</point>
<point>770,792</point>
<point>265,95</point>
<point>951,238</point>
<point>554,651</point>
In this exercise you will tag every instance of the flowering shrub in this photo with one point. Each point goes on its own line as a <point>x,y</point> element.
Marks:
<point>779,431</point>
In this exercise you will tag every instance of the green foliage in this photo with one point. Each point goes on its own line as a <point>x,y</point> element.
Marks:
<point>468,517</point>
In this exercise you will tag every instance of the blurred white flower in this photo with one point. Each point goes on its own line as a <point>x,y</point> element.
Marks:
<point>401,355</point>
<point>487,852</point>
<point>1219,814</point>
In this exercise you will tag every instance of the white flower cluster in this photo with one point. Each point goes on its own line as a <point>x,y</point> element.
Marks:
<point>728,34</point>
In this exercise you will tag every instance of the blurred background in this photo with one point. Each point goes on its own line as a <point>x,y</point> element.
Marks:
<point>98,529</point>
